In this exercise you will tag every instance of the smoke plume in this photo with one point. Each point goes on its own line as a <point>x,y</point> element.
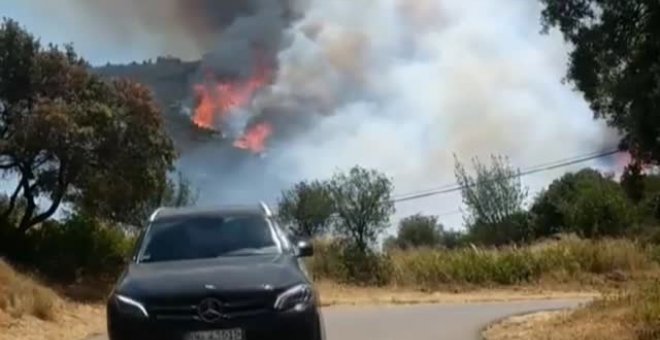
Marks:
<point>184,28</point>
<point>396,85</point>
<point>403,85</point>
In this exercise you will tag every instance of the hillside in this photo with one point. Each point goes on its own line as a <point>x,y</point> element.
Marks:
<point>170,80</point>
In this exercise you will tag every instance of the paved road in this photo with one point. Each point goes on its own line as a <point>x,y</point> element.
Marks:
<point>424,322</point>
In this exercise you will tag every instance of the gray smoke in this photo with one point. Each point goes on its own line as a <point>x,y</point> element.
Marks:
<point>410,84</point>
<point>183,28</point>
<point>396,85</point>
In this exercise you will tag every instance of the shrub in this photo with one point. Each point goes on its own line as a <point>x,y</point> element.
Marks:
<point>570,259</point>
<point>80,247</point>
<point>342,262</point>
<point>586,203</point>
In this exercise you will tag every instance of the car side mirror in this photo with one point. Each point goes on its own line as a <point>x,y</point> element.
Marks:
<point>305,249</point>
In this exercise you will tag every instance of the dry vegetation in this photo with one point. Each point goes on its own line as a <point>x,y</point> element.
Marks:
<point>29,311</point>
<point>570,262</point>
<point>548,270</point>
<point>20,295</point>
<point>633,315</point>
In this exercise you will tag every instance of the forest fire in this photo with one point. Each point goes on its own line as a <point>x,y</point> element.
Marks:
<point>255,138</point>
<point>216,99</point>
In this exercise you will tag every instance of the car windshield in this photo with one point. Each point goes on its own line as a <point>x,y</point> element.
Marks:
<point>189,238</point>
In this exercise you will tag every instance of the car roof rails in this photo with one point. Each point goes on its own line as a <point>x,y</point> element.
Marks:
<point>265,209</point>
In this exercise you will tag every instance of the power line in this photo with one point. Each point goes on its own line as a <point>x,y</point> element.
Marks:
<point>539,168</point>
<point>542,165</point>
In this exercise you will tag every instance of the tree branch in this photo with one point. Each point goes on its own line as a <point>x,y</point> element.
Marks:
<point>29,198</point>
<point>56,199</point>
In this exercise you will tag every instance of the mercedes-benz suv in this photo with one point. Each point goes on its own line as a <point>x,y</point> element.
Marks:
<point>215,274</point>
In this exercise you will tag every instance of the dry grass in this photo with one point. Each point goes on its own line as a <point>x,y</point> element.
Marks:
<point>335,294</point>
<point>570,261</point>
<point>632,315</point>
<point>21,295</point>
<point>29,311</point>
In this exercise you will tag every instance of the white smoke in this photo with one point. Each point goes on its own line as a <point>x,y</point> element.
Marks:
<point>395,85</point>
<point>409,83</point>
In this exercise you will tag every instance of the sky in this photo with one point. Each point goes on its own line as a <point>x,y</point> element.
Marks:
<point>410,85</point>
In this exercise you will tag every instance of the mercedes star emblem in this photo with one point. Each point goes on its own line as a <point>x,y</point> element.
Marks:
<point>210,310</point>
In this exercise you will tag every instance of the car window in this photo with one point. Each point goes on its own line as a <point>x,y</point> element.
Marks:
<point>208,237</point>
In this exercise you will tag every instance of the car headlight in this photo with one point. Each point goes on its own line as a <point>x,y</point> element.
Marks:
<point>298,298</point>
<point>130,307</point>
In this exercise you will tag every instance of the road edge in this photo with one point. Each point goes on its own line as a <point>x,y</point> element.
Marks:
<point>505,318</point>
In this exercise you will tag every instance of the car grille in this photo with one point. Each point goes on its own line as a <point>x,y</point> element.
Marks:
<point>232,308</point>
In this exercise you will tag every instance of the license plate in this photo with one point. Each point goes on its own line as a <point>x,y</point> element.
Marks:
<point>221,334</point>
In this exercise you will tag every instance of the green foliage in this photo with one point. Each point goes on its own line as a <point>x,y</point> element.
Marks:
<point>633,182</point>
<point>452,239</point>
<point>361,200</point>
<point>601,209</point>
<point>615,63</point>
<point>71,137</point>
<point>343,262</point>
<point>649,206</point>
<point>306,208</point>
<point>419,231</point>
<point>81,247</point>
<point>494,197</point>
<point>514,228</point>
<point>586,203</point>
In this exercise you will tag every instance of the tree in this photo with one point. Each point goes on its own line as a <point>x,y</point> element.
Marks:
<point>633,181</point>
<point>586,203</point>
<point>361,200</point>
<point>307,208</point>
<point>419,231</point>
<point>69,136</point>
<point>615,64</point>
<point>548,210</point>
<point>494,198</point>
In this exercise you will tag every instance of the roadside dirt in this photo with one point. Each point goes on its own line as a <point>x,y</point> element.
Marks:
<point>581,324</point>
<point>333,294</point>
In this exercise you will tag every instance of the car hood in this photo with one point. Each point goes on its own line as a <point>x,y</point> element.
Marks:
<point>224,274</point>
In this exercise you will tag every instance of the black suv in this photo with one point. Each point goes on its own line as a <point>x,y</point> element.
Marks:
<point>220,274</point>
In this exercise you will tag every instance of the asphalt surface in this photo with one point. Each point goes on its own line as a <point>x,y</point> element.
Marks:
<point>424,322</point>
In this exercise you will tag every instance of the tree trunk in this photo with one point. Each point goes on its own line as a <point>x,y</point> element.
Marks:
<point>25,225</point>
<point>12,203</point>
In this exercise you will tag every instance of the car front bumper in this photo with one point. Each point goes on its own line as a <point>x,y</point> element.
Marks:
<point>291,325</point>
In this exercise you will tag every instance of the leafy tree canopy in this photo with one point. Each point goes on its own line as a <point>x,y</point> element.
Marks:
<point>306,208</point>
<point>419,231</point>
<point>615,64</point>
<point>361,200</point>
<point>69,136</point>
<point>586,203</point>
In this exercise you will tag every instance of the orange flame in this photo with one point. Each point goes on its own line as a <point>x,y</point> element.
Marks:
<point>255,138</point>
<point>217,99</point>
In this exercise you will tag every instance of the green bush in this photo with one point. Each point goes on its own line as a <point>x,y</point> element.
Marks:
<point>586,203</point>
<point>344,263</point>
<point>81,247</point>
